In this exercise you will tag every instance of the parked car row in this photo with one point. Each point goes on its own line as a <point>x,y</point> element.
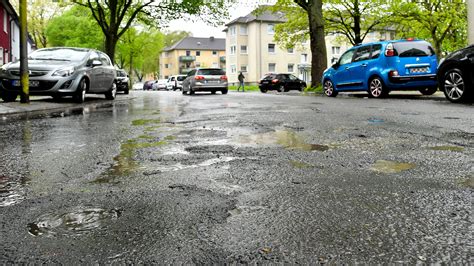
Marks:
<point>61,71</point>
<point>381,67</point>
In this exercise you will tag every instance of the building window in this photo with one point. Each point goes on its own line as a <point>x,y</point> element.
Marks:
<point>198,53</point>
<point>233,69</point>
<point>304,58</point>
<point>243,68</point>
<point>336,50</point>
<point>243,29</point>
<point>232,30</point>
<point>271,48</point>
<point>166,54</point>
<point>166,66</point>
<point>291,50</point>
<point>214,53</point>
<point>215,65</point>
<point>188,53</point>
<point>243,49</point>
<point>271,29</point>
<point>5,21</point>
<point>233,49</point>
<point>271,67</point>
<point>291,68</point>
<point>198,64</point>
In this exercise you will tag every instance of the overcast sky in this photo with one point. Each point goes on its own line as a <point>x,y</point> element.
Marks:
<point>201,29</point>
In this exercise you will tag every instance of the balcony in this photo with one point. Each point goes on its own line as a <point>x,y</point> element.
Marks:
<point>222,59</point>
<point>185,58</point>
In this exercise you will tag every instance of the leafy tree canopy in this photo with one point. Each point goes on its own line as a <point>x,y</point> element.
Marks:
<point>115,16</point>
<point>75,28</point>
<point>442,22</point>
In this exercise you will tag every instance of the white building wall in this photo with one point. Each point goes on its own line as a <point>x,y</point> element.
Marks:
<point>16,42</point>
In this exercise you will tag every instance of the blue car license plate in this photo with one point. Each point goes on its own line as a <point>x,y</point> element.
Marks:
<point>419,70</point>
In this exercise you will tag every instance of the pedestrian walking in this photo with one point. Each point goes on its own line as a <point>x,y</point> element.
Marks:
<point>241,82</point>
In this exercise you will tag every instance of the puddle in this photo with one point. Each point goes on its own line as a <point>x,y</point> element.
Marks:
<point>298,164</point>
<point>179,166</point>
<point>11,191</point>
<point>391,167</point>
<point>145,122</point>
<point>285,138</point>
<point>468,181</point>
<point>447,148</point>
<point>375,121</point>
<point>77,222</point>
<point>125,163</point>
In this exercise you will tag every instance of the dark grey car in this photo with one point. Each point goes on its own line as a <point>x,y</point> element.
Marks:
<point>205,79</point>
<point>61,71</point>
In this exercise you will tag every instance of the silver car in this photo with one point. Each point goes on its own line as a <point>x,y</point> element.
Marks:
<point>205,79</point>
<point>61,71</point>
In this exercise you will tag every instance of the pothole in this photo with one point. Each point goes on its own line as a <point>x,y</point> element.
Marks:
<point>77,222</point>
<point>391,167</point>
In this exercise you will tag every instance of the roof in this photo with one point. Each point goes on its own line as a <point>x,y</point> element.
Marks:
<point>266,16</point>
<point>195,43</point>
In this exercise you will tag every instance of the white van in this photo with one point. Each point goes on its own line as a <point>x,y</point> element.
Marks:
<point>175,82</point>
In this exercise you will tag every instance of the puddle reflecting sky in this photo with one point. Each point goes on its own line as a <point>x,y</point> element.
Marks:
<point>287,139</point>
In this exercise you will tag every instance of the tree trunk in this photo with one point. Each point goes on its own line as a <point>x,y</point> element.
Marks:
<point>317,42</point>
<point>356,27</point>
<point>110,43</point>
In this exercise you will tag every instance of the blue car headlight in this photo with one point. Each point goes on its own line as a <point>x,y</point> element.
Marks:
<point>64,72</point>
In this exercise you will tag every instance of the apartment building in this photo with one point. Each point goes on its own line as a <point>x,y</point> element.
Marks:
<point>251,49</point>
<point>192,52</point>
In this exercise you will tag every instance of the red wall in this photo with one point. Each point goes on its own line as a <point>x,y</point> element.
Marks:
<point>4,36</point>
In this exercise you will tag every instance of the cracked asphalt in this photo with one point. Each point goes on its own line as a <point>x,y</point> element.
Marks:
<point>239,178</point>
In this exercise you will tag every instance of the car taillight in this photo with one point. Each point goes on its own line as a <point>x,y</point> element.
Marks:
<point>198,77</point>
<point>223,77</point>
<point>274,80</point>
<point>389,51</point>
<point>410,39</point>
<point>393,73</point>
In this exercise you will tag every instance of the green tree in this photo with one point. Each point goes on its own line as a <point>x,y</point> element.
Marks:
<point>299,14</point>
<point>75,28</point>
<point>442,22</point>
<point>354,19</point>
<point>175,36</point>
<point>314,12</point>
<point>139,51</point>
<point>39,15</point>
<point>115,16</point>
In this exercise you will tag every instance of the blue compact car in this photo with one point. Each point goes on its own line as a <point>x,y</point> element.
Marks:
<point>381,67</point>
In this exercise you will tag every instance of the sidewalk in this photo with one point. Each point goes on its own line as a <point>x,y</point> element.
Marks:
<point>41,104</point>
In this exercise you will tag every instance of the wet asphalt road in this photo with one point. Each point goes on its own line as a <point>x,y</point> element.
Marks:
<point>242,178</point>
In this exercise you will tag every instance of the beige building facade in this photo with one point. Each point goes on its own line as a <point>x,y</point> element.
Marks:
<point>192,52</point>
<point>251,49</point>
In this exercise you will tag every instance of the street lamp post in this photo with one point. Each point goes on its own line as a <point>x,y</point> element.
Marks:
<point>24,77</point>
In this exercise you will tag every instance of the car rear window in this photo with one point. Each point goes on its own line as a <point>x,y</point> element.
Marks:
<point>270,76</point>
<point>411,49</point>
<point>210,72</point>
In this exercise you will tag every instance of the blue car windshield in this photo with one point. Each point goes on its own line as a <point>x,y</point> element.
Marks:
<point>59,54</point>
